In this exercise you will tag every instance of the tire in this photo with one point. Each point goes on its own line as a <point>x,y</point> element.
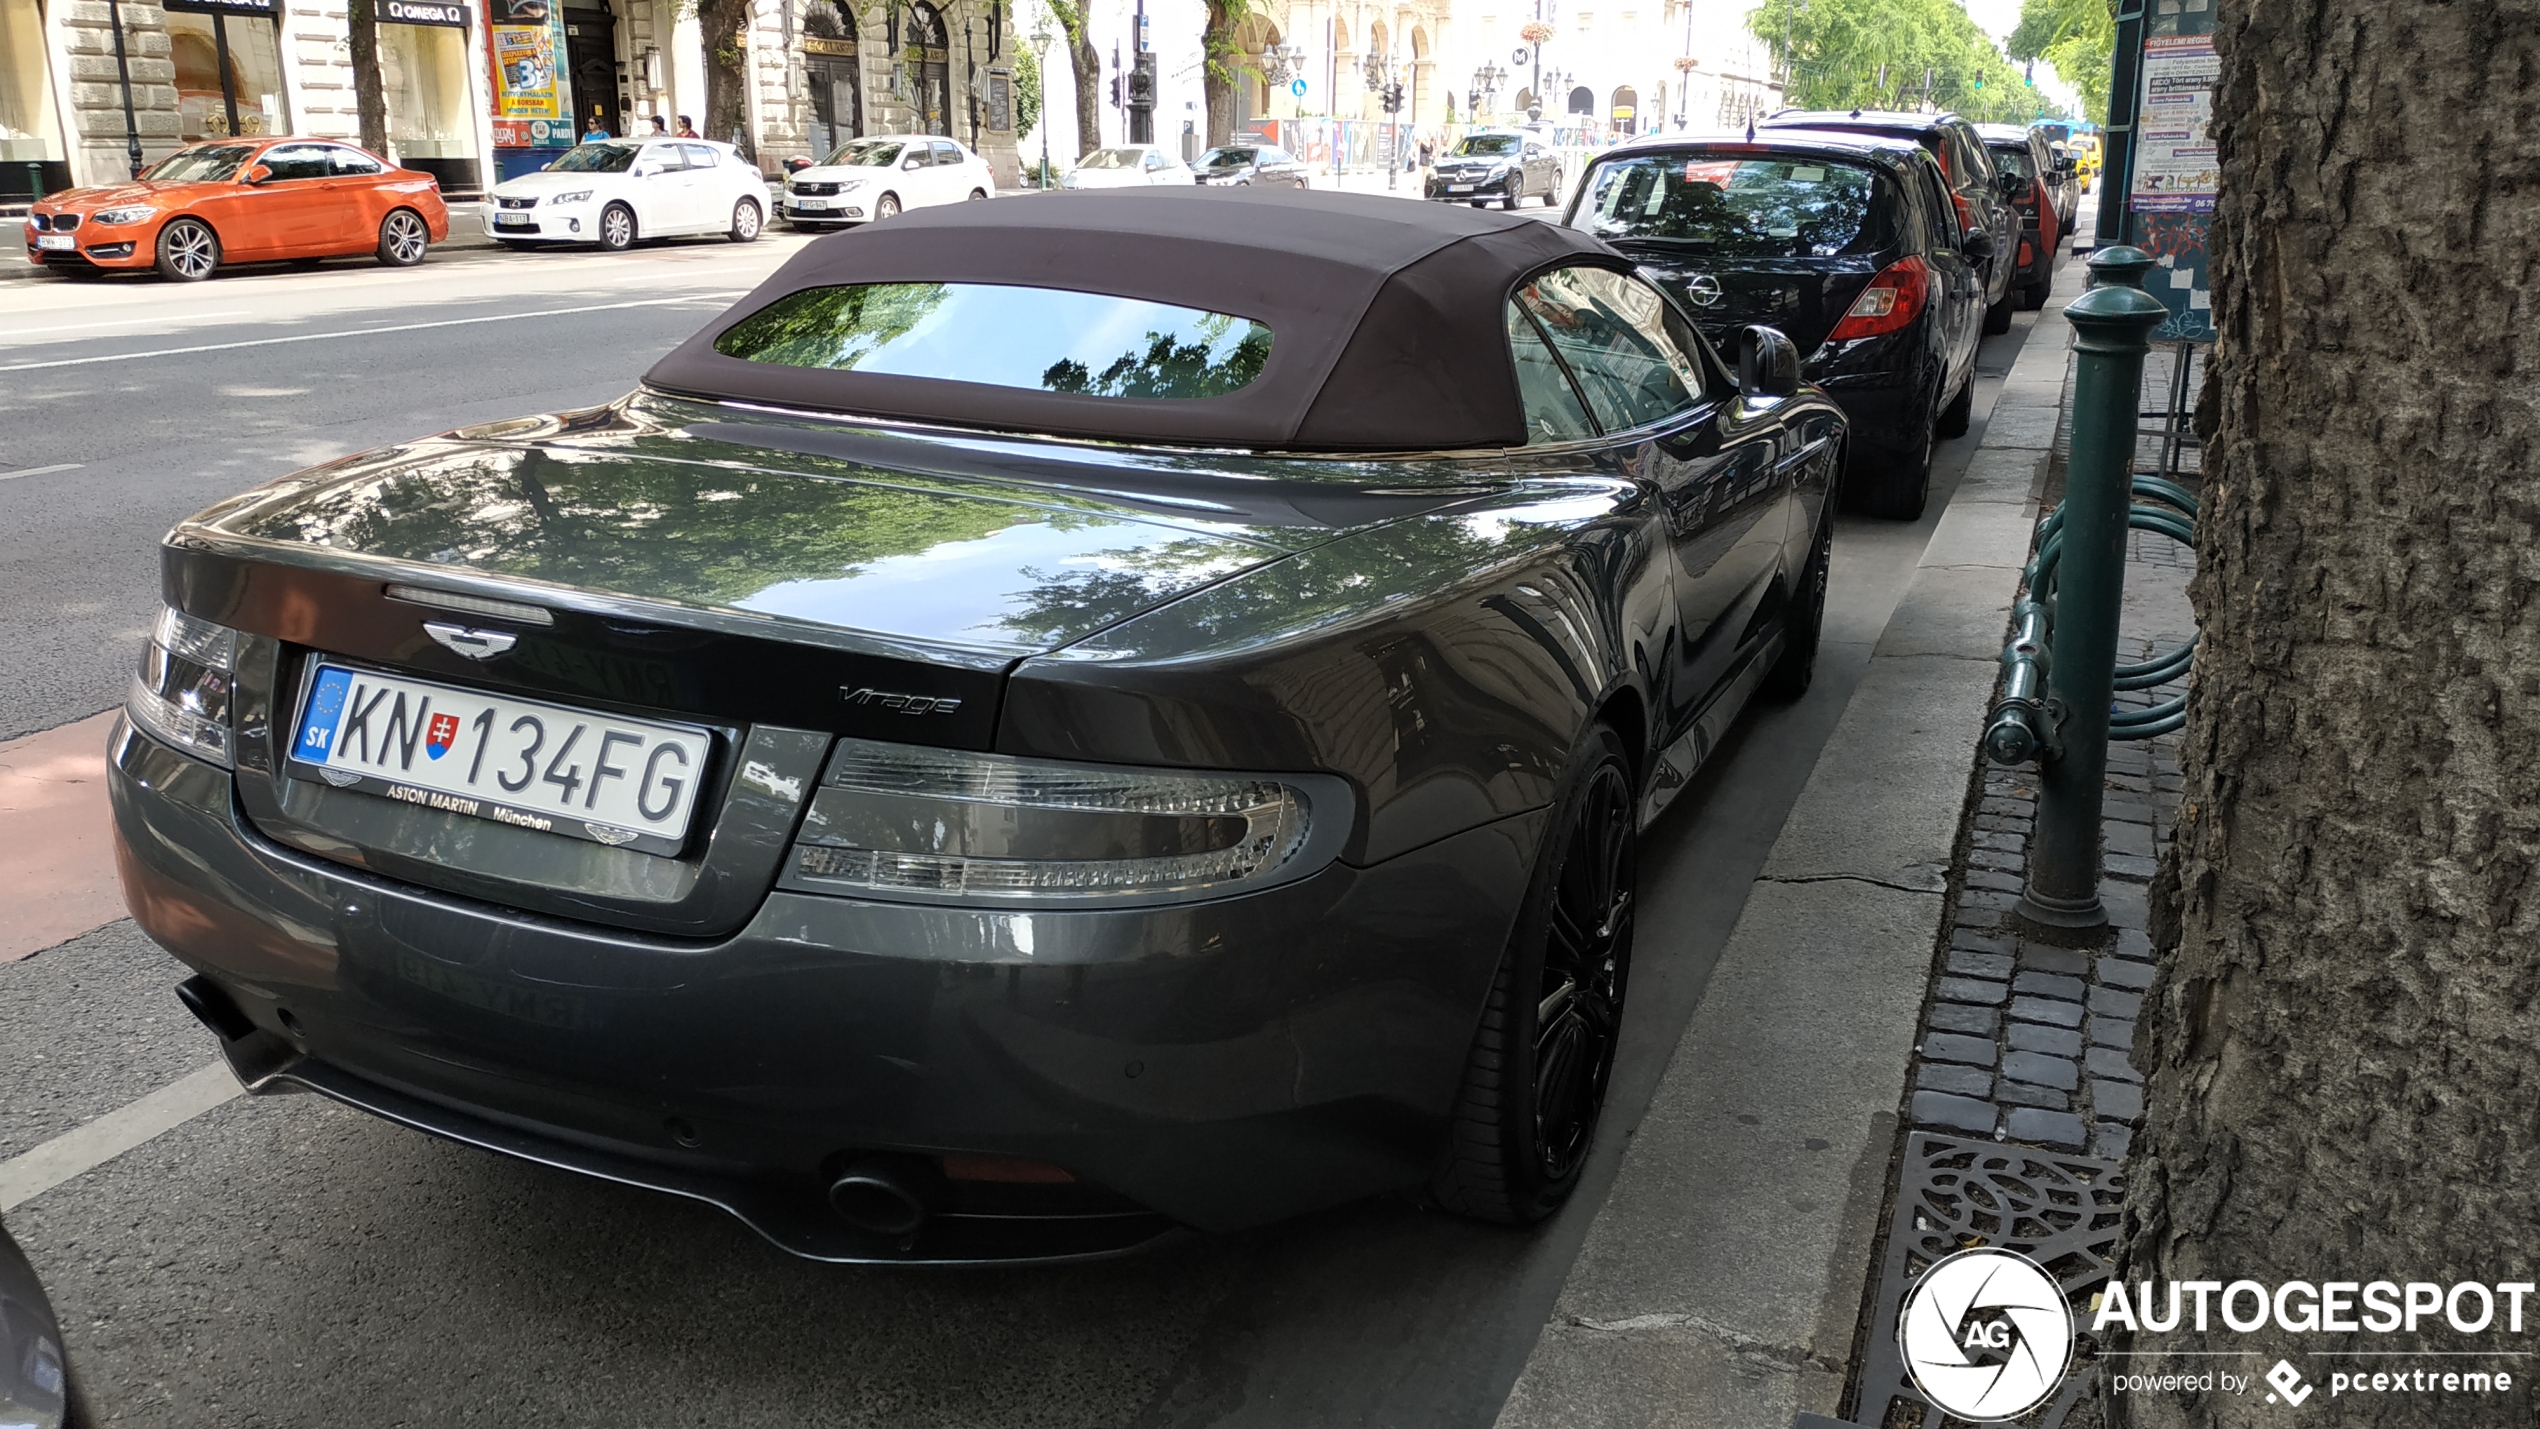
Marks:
<point>1961,411</point>
<point>1552,195</point>
<point>976,195</point>
<point>887,206</point>
<point>1526,1115</point>
<point>1997,318</point>
<point>617,228</point>
<point>404,238</point>
<point>1510,203</point>
<point>746,220</point>
<point>189,251</point>
<point>2033,297</point>
<point>1900,482</point>
<point>1805,622</point>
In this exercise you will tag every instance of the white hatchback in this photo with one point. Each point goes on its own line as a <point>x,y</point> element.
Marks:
<point>613,192</point>
<point>1123,166</point>
<point>882,175</point>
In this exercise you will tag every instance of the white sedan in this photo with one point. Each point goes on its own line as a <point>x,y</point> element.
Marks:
<point>882,175</point>
<point>1126,166</point>
<point>614,191</point>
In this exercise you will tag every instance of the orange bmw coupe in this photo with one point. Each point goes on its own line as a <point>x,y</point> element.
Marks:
<point>242,201</point>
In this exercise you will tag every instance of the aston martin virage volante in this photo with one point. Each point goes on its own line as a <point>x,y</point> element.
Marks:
<point>1048,726</point>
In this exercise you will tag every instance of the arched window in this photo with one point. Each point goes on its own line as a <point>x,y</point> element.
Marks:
<point>833,75</point>
<point>922,78</point>
<point>828,20</point>
<point>1583,100</point>
<point>926,27</point>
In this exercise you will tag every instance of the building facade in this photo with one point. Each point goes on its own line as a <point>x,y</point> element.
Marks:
<point>479,90</point>
<point>1610,69</point>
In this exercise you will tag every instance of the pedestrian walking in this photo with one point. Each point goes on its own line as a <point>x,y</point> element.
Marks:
<point>688,130</point>
<point>661,127</point>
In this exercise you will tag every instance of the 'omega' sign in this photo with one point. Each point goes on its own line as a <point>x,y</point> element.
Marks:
<point>423,12</point>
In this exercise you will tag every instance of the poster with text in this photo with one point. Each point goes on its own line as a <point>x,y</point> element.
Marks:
<point>525,72</point>
<point>2175,169</point>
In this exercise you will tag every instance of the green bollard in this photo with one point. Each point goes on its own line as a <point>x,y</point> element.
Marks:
<point>2114,321</point>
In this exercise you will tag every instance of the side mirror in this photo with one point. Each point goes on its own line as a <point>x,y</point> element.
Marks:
<point>912,163</point>
<point>1978,244</point>
<point>256,174</point>
<point>1767,364</point>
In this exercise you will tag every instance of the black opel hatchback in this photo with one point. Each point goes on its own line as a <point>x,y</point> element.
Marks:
<point>1846,243</point>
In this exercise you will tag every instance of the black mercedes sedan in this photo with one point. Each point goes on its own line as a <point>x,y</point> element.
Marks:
<point>1844,242</point>
<point>1046,727</point>
<point>1501,166</point>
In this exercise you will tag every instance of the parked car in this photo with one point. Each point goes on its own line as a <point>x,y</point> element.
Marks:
<point>1249,165</point>
<point>1126,166</point>
<point>2021,155</point>
<point>1503,165</point>
<point>1848,243</point>
<point>1981,195</point>
<point>241,201</point>
<point>37,1390</point>
<point>882,176</point>
<point>1175,766</point>
<point>618,192</point>
<point>2064,182</point>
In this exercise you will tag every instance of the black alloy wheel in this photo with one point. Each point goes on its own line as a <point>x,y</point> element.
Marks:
<point>617,228</point>
<point>403,238</point>
<point>1960,413</point>
<point>1536,1079</point>
<point>189,251</point>
<point>1897,487</point>
<point>1805,618</point>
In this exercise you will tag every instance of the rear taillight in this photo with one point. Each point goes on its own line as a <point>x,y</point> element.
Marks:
<point>2025,251</point>
<point>182,692</point>
<point>1890,304</point>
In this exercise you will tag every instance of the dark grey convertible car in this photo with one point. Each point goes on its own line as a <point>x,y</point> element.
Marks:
<point>1048,725</point>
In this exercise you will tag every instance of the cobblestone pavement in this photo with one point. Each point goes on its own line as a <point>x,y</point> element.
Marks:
<point>2027,1035</point>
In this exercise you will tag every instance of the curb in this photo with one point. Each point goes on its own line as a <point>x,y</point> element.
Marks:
<point>1722,1280</point>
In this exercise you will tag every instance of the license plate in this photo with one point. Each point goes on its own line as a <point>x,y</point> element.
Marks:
<point>56,242</point>
<point>811,203</point>
<point>511,220</point>
<point>1459,188</point>
<point>609,780</point>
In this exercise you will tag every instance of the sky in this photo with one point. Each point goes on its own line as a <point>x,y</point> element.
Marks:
<point>1999,18</point>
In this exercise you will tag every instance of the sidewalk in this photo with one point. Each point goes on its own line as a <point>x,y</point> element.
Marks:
<point>1738,1274</point>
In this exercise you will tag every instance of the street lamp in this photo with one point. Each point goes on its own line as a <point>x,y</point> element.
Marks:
<point>1486,82</point>
<point>1040,49</point>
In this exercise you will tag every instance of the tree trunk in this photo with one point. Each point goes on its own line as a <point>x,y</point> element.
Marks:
<point>1088,69</point>
<point>1217,79</point>
<point>370,105</point>
<point>721,24</point>
<point>2343,1044</point>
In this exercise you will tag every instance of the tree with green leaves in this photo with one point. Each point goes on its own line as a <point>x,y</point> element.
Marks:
<point>1027,90</point>
<point>1889,54</point>
<point>2077,37</point>
<point>1075,21</point>
<point>1217,81</point>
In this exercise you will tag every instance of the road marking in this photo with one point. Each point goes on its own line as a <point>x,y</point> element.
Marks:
<point>133,322</point>
<point>23,1178</point>
<point>40,470</point>
<point>367,331</point>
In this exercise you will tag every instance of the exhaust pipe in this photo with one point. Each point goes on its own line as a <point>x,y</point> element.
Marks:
<point>887,1195</point>
<point>210,1003</point>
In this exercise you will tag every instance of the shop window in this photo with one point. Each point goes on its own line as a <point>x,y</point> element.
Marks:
<point>32,160</point>
<point>423,75</point>
<point>215,100</point>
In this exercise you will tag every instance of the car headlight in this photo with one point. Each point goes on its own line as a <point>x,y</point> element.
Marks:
<point>133,213</point>
<point>182,692</point>
<point>577,196</point>
<point>848,186</point>
<point>942,825</point>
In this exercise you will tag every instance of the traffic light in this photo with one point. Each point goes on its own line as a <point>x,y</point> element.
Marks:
<point>1115,89</point>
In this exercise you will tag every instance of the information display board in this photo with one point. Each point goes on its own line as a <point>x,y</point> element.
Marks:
<point>2173,174</point>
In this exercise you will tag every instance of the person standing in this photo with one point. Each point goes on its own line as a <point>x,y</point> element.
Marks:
<point>661,127</point>
<point>687,130</point>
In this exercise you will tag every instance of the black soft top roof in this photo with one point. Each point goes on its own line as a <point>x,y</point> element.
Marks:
<point>1385,314</point>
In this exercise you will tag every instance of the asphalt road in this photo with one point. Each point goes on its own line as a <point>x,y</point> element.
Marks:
<point>287,1262</point>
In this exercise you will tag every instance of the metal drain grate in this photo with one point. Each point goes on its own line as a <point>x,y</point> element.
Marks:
<point>2061,1211</point>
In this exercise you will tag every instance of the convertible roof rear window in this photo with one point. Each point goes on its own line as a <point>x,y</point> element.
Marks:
<point>1048,339</point>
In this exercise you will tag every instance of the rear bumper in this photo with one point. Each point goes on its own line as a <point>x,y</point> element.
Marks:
<point>1884,386</point>
<point>1213,1065</point>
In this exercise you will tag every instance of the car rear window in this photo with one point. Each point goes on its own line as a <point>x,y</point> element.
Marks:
<point>1739,207</point>
<point>1047,339</point>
